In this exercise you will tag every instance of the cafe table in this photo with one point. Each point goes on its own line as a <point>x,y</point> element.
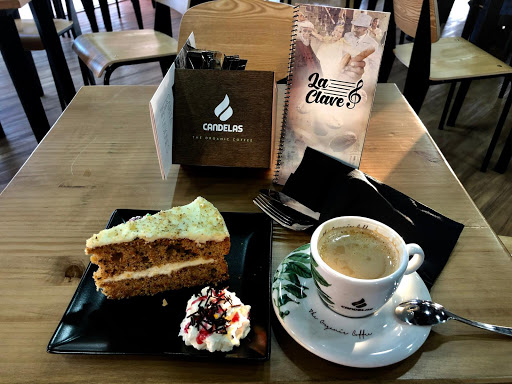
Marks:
<point>13,55</point>
<point>100,155</point>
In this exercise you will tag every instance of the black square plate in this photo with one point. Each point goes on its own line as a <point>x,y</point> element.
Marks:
<point>92,324</point>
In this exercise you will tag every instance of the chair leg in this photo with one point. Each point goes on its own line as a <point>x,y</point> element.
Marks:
<point>87,74</point>
<point>14,59</point>
<point>108,73</point>
<point>85,77</point>
<point>92,80</point>
<point>35,75</point>
<point>68,13</point>
<point>165,64</point>
<point>59,10</point>
<point>388,57</point>
<point>89,11</point>
<point>402,37</point>
<point>504,86</point>
<point>163,22</point>
<point>417,81</point>
<point>447,105</point>
<point>57,59</point>
<point>372,4</point>
<point>118,10</point>
<point>105,13</point>
<point>59,94</point>
<point>497,133</point>
<point>49,3</point>
<point>459,100</point>
<point>36,82</point>
<point>60,14</point>
<point>138,14</point>
<point>415,95</point>
<point>506,154</point>
<point>61,100</point>
<point>75,30</point>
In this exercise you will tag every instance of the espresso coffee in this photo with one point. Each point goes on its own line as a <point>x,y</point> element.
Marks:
<point>358,252</point>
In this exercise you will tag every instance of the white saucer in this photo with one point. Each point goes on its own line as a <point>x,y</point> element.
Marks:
<point>374,341</point>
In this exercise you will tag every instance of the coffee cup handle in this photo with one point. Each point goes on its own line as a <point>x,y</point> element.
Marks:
<point>418,256</point>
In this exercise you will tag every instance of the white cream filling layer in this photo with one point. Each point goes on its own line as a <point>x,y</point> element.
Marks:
<point>158,270</point>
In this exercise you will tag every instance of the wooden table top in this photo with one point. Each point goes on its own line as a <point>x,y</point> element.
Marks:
<point>100,155</point>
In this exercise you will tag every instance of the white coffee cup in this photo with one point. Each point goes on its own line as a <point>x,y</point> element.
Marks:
<point>355,297</point>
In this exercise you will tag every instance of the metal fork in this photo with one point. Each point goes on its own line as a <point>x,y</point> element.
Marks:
<point>276,212</point>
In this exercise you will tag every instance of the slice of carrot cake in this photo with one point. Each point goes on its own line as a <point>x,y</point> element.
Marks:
<point>181,247</point>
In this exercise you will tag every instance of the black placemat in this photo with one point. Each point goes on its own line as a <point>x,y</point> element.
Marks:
<point>93,324</point>
<point>328,186</point>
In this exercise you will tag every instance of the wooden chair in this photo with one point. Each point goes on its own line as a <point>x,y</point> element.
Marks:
<point>257,30</point>
<point>103,52</point>
<point>29,35</point>
<point>31,41</point>
<point>431,59</point>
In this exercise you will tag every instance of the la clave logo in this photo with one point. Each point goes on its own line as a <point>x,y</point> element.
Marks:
<point>224,112</point>
<point>334,93</point>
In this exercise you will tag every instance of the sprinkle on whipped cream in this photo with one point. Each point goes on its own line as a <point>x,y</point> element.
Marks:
<point>215,320</point>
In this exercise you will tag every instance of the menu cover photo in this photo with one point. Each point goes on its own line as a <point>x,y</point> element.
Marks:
<point>335,57</point>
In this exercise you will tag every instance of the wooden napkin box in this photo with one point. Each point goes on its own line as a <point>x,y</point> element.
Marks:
<point>223,118</point>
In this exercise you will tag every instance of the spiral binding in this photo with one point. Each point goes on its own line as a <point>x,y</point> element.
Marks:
<point>291,62</point>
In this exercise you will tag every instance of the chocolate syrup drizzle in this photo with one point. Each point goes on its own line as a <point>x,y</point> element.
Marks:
<point>209,306</point>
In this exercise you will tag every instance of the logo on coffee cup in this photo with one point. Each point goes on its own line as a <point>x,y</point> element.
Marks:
<point>359,304</point>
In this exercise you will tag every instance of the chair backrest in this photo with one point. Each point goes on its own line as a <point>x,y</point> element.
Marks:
<point>407,15</point>
<point>256,30</point>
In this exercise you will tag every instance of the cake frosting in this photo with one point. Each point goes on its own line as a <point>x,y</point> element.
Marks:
<point>181,247</point>
<point>199,221</point>
<point>215,320</point>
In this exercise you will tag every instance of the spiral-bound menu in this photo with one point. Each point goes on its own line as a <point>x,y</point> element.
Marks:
<point>335,56</point>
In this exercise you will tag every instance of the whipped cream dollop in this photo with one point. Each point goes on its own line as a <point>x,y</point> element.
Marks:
<point>215,320</point>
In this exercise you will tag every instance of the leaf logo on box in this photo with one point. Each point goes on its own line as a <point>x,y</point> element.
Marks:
<point>223,111</point>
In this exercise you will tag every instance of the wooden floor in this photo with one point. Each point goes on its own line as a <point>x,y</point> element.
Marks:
<point>463,145</point>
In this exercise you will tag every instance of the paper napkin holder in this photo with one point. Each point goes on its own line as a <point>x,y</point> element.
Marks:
<point>223,118</point>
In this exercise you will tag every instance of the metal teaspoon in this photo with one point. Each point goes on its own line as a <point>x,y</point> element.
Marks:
<point>424,312</point>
